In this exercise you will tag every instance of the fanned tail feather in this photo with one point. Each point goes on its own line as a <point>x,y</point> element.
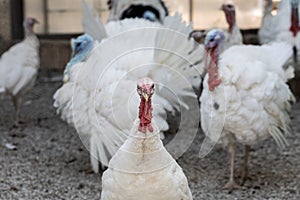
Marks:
<point>177,69</point>
<point>280,53</point>
<point>278,137</point>
<point>289,72</point>
<point>172,49</point>
<point>92,24</point>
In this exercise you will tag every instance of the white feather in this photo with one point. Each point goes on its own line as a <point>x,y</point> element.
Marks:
<point>104,100</point>
<point>92,24</point>
<point>253,98</point>
<point>143,169</point>
<point>19,66</point>
<point>232,39</point>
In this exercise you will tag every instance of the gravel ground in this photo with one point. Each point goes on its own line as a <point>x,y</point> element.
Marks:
<point>51,163</point>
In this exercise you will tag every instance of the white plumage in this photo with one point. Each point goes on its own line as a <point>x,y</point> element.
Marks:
<point>277,27</point>
<point>19,67</point>
<point>267,31</point>
<point>102,108</point>
<point>252,102</point>
<point>81,47</point>
<point>143,169</point>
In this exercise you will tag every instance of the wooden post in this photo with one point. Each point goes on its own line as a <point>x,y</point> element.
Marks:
<point>17,17</point>
<point>5,21</point>
<point>191,10</point>
<point>45,13</point>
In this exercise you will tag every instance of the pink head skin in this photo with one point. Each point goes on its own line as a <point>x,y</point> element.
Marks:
<point>294,19</point>
<point>213,43</point>
<point>145,89</point>
<point>229,11</point>
<point>28,24</point>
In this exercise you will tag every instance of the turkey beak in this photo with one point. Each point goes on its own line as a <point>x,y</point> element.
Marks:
<point>146,96</point>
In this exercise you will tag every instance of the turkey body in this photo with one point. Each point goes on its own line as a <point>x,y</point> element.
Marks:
<point>18,69</point>
<point>245,97</point>
<point>104,83</point>
<point>277,27</point>
<point>253,100</point>
<point>143,169</point>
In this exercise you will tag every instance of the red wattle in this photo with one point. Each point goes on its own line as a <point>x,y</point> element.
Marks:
<point>145,115</point>
<point>213,72</point>
<point>294,22</point>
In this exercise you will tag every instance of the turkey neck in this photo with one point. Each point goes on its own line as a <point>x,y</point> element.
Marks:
<point>145,115</point>
<point>294,21</point>
<point>294,29</point>
<point>29,30</point>
<point>268,8</point>
<point>230,18</point>
<point>213,69</point>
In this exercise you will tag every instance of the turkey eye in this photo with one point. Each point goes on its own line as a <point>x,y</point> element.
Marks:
<point>77,45</point>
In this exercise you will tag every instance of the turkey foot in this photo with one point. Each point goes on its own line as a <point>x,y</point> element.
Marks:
<point>231,185</point>
<point>243,172</point>
<point>17,123</point>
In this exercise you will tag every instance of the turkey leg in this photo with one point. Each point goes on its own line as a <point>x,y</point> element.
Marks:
<point>17,104</point>
<point>244,172</point>
<point>231,183</point>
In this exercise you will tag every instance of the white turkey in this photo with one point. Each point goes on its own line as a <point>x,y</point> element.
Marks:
<point>129,50</point>
<point>288,26</point>
<point>233,35</point>
<point>152,10</point>
<point>283,26</point>
<point>267,32</point>
<point>274,24</point>
<point>142,168</point>
<point>81,47</point>
<point>245,97</point>
<point>19,67</point>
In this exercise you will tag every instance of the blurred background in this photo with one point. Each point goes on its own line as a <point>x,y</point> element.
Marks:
<point>61,19</point>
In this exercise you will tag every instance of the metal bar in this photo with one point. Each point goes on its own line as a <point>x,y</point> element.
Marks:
<point>46,19</point>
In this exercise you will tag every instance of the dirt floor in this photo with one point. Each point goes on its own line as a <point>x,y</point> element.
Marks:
<point>50,162</point>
